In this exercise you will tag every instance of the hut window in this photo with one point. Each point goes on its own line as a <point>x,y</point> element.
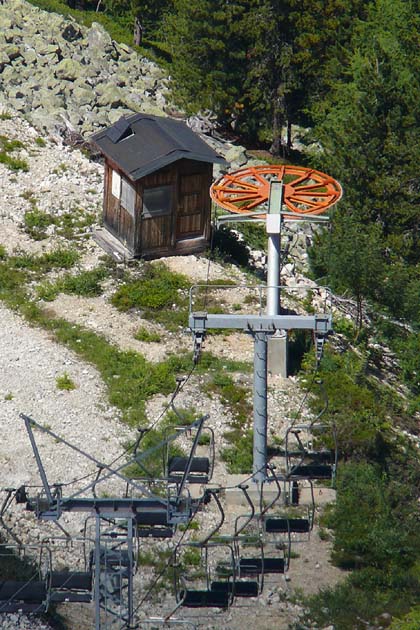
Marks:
<point>116,185</point>
<point>128,197</point>
<point>157,201</point>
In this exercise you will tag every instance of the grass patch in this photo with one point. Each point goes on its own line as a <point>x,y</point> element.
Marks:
<point>70,225</point>
<point>65,383</point>
<point>9,146</point>
<point>142,334</point>
<point>159,294</point>
<point>84,284</point>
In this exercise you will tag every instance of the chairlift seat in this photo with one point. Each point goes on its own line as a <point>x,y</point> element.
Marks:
<point>35,591</point>
<point>71,580</point>
<point>198,473</point>
<point>153,525</point>
<point>205,599</point>
<point>239,588</point>
<point>286,525</point>
<point>257,566</point>
<point>27,592</point>
<point>312,471</point>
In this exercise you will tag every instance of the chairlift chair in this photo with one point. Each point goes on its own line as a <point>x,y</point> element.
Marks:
<point>211,592</point>
<point>293,522</point>
<point>304,460</point>
<point>241,586</point>
<point>27,590</point>
<point>200,469</point>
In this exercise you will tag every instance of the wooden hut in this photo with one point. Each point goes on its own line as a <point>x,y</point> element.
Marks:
<point>157,178</point>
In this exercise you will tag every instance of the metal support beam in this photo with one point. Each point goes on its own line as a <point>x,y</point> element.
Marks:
<point>201,321</point>
<point>260,407</point>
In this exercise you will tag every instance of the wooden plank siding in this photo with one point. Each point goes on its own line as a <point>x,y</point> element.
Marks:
<point>189,217</point>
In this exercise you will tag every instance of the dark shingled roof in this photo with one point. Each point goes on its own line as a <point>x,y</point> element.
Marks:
<point>142,143</point>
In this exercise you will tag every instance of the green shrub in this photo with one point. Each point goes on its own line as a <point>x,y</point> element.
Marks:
<point>411,621</point>
<point>65,383</point>
<point>142,334</point>
<point>13,164</point>
<point>36,222</point>
<point>40,142</point>
<point>367,530</point>
<point>86,283</point>
<point>160,294</point>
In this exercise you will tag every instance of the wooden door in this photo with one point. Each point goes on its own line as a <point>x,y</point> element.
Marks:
<point>191,207</point>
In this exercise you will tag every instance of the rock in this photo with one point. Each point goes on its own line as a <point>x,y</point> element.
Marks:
<point>71,33</point>
<point>12,52</point>
<point>236,155</point>
<point>83,96</point>
<point>68,69</point>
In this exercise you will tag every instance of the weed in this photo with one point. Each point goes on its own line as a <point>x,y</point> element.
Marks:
<point>61,168</point>
<point>9,396</point>
<point>40,142</point>
<point>36,223</point>
<point>72,225</point>
<point>86,284</point>
<point>56,259</point>
<point>8,146</point>
<point>65,383</point>
<point>13,164</point>
<point>5,116</point>
<point>142,334</point>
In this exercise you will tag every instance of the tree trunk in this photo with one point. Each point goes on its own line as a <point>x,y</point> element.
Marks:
<point>138,31</point>
<point>276,146</point>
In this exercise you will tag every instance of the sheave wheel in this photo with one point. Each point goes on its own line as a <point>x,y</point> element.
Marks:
<point>306,191</point>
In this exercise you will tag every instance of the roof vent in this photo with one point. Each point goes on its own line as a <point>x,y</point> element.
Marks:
<point>119,131</point>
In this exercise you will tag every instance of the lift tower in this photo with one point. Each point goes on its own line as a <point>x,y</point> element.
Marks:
<point>275,195</point>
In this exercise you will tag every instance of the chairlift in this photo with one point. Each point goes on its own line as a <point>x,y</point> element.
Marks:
<point>304,459</point>
<point>240,586</point>
<point>213,590</point>
<point>199,468</point>
<point>294,522</point>
<point>27,590</point>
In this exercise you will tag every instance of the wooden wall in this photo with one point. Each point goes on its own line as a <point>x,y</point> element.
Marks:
<point>186,228</point>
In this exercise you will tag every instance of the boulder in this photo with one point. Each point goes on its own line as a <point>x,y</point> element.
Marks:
<point>112,96</point>
<point>236,155</point>
<point>99,41</point>
<point>47,100</point>
<point>71,32</point>
<point>83,95</point>
<point>29,57</point>
<point>12,51</point>
<point>68,69</point>
<point>5,23</point>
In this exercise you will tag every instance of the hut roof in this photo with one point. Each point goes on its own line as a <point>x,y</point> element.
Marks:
<point>142,143</point>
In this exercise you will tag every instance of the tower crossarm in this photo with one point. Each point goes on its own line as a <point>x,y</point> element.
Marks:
<point>201,321</point>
